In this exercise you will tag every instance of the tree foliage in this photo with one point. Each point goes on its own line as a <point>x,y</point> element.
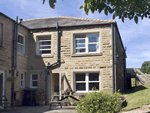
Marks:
<point>119,8</point>
<point>146,67</point>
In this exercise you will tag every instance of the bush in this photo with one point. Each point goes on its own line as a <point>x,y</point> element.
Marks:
<point>99,102</point>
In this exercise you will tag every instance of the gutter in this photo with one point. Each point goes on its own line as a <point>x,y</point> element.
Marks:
<point>55,63</point>
<point>112,28</point>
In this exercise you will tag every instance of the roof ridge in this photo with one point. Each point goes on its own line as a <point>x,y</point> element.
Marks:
<point>71,18</point>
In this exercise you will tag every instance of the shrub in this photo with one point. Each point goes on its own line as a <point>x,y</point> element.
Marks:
<point>99,102</point>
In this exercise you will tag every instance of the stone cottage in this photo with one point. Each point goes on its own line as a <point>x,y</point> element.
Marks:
<point>58,53</point>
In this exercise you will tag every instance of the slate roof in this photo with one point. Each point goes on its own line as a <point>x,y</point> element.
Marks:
<point>63,22</point>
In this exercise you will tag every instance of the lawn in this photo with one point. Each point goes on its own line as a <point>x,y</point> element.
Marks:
<point>137,97</point>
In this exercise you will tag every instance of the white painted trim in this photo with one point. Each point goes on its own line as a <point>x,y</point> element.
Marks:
<point>86,43</point>
<point>3,24</point>
<point>86,81</point>
<point>23,80</point>
<point>33,80</point>
<point>37,41</point>
<point>3,87</point>
<point>60,85</point>
<point>22,44</point>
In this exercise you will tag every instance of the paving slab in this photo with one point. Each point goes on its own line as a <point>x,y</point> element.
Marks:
<point>42,109</point>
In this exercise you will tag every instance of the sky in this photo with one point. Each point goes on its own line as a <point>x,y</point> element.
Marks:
<point>136,37</point>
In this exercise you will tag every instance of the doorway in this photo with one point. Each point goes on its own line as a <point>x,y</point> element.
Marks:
<point>2,87</point>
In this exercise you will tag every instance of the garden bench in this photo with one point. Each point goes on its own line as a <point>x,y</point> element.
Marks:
<point>60,102</point>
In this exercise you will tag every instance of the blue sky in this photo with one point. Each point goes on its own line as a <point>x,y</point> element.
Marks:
<point>136,37</point>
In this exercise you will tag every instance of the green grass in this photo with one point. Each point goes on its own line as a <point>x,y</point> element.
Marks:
<point>137,97</point>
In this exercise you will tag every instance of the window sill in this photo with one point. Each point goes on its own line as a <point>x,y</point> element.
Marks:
<point>86,54</point>
<point>44,56</point>
<point>20,54</point>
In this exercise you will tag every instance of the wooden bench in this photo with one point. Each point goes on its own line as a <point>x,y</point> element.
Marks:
<point>62,100</point>
<point>58,102</point>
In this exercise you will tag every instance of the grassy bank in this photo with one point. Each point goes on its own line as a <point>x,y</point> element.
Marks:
<point>137,97</point>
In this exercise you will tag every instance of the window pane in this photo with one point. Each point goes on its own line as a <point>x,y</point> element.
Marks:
<point>21,83</point>
<point>1,34</point>
<point>80,86</point>
<point>91,85</point>
<point>93,76</point>
<point>34,77</point>
<point>20,39</point>
<point>45,52</point>
<point>80,50</point>
<point>80,77</point>
<point>80,41</point>
<point>45,47</point>
<point>92,48</point>
<point>45,43</point>
<point>21,76</point>
<point>80,45</point>
<point>44,38</point>
<point>34,83</point>
<point>80,36</point>
<point>93,38</point>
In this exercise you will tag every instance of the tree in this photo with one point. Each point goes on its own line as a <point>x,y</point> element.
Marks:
<point>146,67</point>
<point>119,8</point>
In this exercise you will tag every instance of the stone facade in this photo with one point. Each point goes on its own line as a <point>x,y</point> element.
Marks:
<point>70,63</point>
<point>6,57</point>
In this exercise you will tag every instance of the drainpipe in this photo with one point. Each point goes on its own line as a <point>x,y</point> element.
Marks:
<point>14,57</point>
<point>49,65</point>
<point>112,28</point>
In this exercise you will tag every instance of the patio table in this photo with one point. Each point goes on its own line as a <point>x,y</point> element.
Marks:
<point>64,97</point>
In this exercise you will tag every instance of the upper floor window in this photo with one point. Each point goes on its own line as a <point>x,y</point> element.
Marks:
<point>86,43</point>
<point>1,34</point>
<point>22,80</point>
<point>84,82</point>
<point>34,81</point>
<point>44,45</point>
<point>21,44</point>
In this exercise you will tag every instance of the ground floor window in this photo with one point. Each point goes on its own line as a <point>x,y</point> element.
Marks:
<point>22,80</point>
<point>84,82</point>
<point>34,81</point>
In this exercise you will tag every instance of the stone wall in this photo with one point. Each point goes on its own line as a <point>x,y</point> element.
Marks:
<point>6,52</point>
<point>119,63</point>
<point>6,55</point>
<point>70,63</point>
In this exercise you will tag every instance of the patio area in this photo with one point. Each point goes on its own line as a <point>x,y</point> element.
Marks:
<point>42,109</point>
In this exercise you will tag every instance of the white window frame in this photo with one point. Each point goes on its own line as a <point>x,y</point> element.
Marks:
<point>23,80</point>
<point>21,44</point>
<point>86,43</point>
<point>37,38</point>
<point>1,35</point>
<point>86,82</point>
<point>31,86</point>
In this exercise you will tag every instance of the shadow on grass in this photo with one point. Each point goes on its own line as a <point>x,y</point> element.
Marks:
<point>136,89</point>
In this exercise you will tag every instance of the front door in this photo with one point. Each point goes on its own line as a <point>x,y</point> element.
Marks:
<point>1,88</point>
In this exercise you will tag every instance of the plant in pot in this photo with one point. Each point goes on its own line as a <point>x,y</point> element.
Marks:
<point>40,96</point>
<point>67,91</point>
